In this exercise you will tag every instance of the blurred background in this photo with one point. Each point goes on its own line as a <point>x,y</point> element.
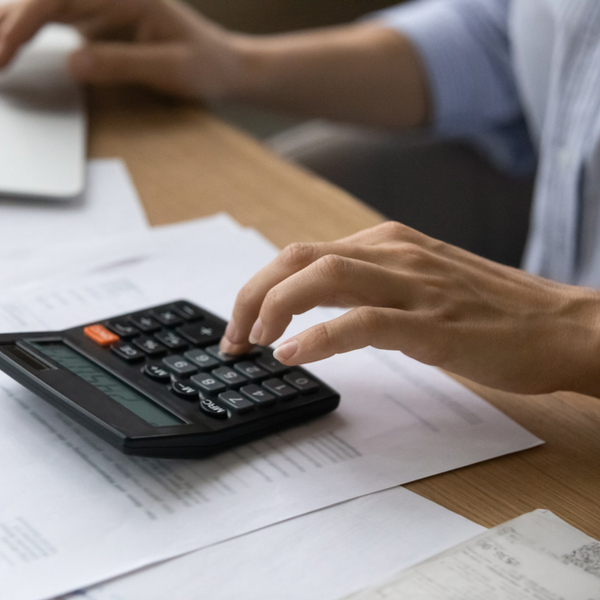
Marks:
<point>272,16</point>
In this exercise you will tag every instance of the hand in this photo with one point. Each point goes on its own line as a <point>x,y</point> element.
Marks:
<point>159,43</point>
<point>434,302</point>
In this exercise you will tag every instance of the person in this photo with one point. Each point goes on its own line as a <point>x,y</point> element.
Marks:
<point>470,66</point>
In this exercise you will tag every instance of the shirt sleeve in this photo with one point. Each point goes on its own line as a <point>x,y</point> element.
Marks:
<point>464,45</point>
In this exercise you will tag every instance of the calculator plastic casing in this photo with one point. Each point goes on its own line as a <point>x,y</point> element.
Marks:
<point>199,435</point>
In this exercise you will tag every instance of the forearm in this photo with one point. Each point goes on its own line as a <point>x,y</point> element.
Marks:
<point>360,73</point>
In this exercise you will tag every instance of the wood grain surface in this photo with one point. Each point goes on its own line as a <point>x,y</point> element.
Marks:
<point>187,164</point>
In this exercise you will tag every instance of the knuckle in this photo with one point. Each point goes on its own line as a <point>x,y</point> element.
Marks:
<point>333,267</point>
<point>369,319</point>
<point>298,255</point>
<point>321,337</point>
<point>392,230</point>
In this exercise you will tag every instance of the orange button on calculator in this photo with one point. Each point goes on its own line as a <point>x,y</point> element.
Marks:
<point>100,335</point>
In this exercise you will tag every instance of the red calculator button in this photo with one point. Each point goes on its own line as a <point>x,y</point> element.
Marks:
<point>100,335</point>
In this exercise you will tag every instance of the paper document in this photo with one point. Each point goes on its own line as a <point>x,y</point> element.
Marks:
<point>95,514</point>
<point>319,556</point>
<point>109,205</point>
<point>534,557</point>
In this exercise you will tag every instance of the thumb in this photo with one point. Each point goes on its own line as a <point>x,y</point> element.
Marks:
<point>158,66</point>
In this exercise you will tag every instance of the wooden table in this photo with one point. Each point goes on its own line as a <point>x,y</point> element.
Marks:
<point>186,163</point>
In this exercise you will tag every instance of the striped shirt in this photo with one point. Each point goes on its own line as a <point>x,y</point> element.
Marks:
<point>522,79</point>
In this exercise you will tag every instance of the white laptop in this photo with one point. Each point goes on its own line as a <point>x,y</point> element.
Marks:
<point>43,122</point>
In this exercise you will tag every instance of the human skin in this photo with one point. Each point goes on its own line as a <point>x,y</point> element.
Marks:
<point>439,304</point>
<point>360,72</point>
<point>434,302</point>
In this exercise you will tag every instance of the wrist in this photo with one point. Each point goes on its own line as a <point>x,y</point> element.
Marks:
<point>579,338</point>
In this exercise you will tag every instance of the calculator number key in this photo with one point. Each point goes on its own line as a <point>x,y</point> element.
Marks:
<point>258,395</point>
<point>200,358</point>
<point>127,352</point>
<point>251,370</point>
<point>179,365</point>
<point>282,390</point>
<point>301,382</point>
<point>208,384</point>
<point>236,402</point>
<point>229,376</point>
<point>212,409</point>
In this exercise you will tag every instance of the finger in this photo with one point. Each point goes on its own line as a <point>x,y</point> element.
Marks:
<point>332,279</point>
<point>157,66</point>
<point>385,328</point>
<point>292,259</point>
<point>21,21</point>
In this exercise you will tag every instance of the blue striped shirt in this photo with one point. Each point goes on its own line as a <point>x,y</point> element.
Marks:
<point>522,79</point>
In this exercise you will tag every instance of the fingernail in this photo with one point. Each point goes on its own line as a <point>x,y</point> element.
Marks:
<point>256,332</point>
<point>286,350</point>
<point>81,63</point>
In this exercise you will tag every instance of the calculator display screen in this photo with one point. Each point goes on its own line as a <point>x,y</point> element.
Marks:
<point>108,384</point>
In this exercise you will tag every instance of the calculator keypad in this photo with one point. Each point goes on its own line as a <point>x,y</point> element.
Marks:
<point>181,346</point>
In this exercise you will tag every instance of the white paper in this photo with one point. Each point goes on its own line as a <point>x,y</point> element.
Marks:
<point>534,557</point>
<point>103,514</point>
<point>110,205</point>
<point>319,556</point>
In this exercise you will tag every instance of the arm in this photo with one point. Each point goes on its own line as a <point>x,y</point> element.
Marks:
<point>434,302</point>
<point>360,72</point>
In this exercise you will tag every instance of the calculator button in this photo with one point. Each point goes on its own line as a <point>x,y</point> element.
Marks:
<point>157,373</point>
<point>179,365</point>
<point>202,333</point>
<point>300,381</point>
<point>200,358</point>
<point>167,316</point>
<point>170,340</point>
<point>100,335</point>
<point>251,370</point>
<point>282,390</point>
<point>266,361</point>
<point>184,390</point>
<point>149,345</point>
<point>222,357</point>
<point>122,329</point>
<point>188,311</point>
<point>208,384</point>
<point>145,323</point>
<point>236,402</point>
<point>212,409</point>
<point>229,376</point>
<point>127,352</point>
<point>258,395</point>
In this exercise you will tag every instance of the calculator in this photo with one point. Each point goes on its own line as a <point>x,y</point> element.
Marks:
<point>154,382</point>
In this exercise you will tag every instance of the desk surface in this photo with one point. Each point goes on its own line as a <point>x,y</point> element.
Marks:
<point>187,164</point>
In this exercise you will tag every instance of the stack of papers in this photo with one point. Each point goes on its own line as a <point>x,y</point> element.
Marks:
<point>314,510</point>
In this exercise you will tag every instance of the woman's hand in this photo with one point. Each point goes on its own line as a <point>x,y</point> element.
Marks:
<point>160,43</point>
<point>434,302</point>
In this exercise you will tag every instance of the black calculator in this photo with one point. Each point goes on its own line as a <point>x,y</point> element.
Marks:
<point>154,382</point>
